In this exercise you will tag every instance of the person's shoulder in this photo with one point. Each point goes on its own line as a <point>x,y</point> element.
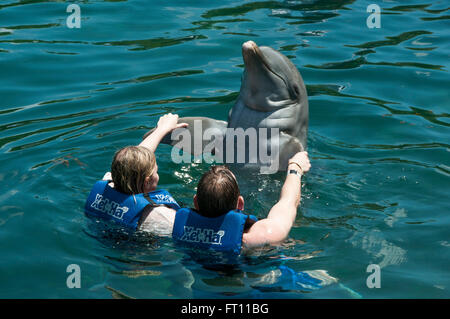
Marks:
<point>256,235</point>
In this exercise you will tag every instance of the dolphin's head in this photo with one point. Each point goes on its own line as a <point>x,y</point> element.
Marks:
<point>270,80</point>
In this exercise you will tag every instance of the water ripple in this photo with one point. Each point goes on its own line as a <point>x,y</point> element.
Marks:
<point>355,63</point>
<point>152,77</point>
<point>391,40</point>
<point>148,44</point>
<point>276,5</point>
<point>211,24</point>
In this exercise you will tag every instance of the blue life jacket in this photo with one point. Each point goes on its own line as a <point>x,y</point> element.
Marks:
<point>223,233</point>
<point>107,203</point>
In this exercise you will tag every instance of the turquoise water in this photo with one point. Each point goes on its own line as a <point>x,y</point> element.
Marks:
<point>377,193</point>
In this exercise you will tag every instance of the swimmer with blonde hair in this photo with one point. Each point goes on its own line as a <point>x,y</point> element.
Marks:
<point>128,194</point>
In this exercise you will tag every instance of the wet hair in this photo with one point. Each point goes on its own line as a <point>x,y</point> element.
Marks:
<point>217,192</point>
<point>129,168</point>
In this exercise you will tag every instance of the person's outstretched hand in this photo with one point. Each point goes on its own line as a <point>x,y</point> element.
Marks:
<point>300,160</point>
<point>169,122</point>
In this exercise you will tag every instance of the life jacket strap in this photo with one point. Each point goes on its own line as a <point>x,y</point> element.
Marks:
<point>152,203</point>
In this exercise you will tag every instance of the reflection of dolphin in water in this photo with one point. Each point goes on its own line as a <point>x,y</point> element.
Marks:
<point>383,252</point>
<point>272,97</point>
<point>373,242</point>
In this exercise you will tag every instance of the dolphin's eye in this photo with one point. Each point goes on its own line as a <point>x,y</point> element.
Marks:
<point>296,90</point>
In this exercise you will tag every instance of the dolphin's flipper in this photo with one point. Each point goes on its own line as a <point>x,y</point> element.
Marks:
<point>197,127</point>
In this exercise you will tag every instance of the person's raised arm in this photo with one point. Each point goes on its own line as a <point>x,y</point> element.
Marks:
<point>166,124</point>
<point>276,227</point>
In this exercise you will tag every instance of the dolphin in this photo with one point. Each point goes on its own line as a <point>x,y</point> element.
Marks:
<point>272,97</point>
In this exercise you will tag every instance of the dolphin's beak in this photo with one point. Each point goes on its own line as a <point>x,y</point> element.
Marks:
<point>249,46</point>
<point>251,52</point>
<point>256,63</point>
<point>254,58</point>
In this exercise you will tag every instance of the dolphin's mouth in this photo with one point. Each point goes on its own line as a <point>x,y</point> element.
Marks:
<point>250,52</point>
